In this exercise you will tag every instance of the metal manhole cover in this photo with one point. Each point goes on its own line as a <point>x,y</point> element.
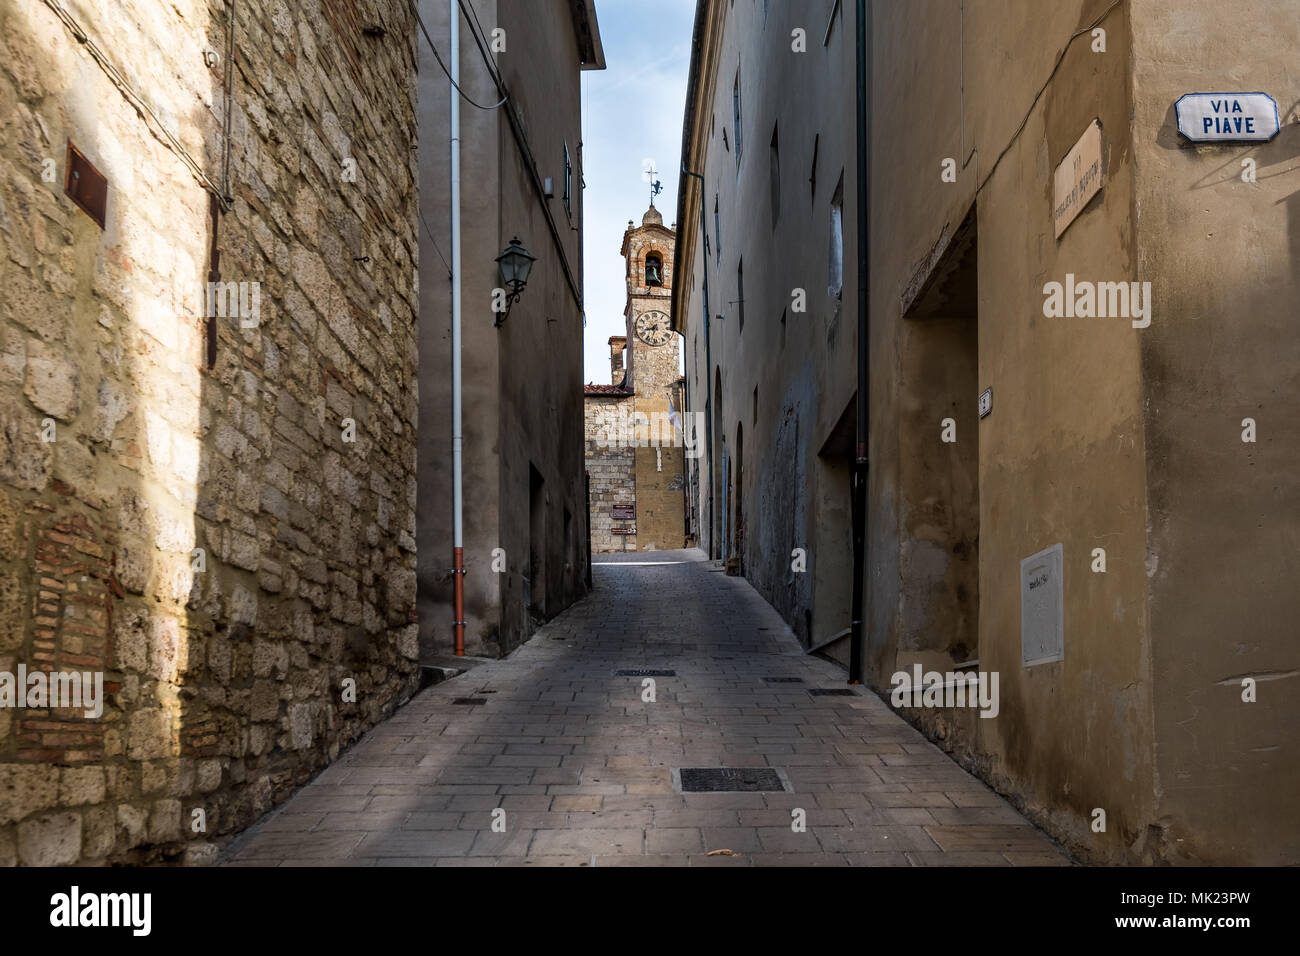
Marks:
<point>783,680</point>
<point>470,700</point>
<point>730,780</point>
<point>644,672</point>
<point>831,692</point>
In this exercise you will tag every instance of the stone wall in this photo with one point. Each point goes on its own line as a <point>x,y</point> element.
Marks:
<point>230,546</point>
<point>613,474</point>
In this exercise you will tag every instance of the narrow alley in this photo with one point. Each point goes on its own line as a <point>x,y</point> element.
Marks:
<point>587,771</point>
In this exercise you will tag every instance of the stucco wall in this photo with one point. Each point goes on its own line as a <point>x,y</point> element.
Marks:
<point>1224,515</point>
<point>797,348</point>
<point>1060,459</point>
<point>519,413</point>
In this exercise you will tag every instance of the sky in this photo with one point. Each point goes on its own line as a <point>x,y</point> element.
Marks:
<point>632,111</point>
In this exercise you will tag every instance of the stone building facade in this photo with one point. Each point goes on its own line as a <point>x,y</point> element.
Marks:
<point>635,454</point>
<point>207,495</point>
<point>525,536</point>
<point>1118,464</point>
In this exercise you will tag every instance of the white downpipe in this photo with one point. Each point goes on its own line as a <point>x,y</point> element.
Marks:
<point>457,437</point>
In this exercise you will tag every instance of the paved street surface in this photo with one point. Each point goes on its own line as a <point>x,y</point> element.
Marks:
<point>583,767</point>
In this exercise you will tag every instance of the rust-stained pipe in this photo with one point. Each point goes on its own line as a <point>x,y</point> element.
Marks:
<point>458,578</point>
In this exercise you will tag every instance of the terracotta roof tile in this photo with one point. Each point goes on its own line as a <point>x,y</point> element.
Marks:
<point>590,389</point>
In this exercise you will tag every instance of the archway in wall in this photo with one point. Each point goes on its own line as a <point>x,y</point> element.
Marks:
<point>716,471</point>
<point>738,513</point>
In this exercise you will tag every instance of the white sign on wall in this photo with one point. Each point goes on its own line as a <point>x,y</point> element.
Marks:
<point>1042,607</point>
<point>1227,117</point>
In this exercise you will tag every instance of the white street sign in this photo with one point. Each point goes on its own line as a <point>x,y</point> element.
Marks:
<point>1227,117</point>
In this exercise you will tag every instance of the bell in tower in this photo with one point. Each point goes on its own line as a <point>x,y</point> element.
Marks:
<point>654,270</point>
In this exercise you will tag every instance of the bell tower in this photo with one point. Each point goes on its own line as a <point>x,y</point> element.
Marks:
<point>652,357</point>
<point>659,463</point>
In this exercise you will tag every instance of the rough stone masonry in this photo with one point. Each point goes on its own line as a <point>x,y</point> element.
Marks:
<point>232,544</point>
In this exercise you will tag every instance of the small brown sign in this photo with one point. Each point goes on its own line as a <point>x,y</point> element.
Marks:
<point>86,186</point>
<point>623,512</point>
<point>1078,178</point>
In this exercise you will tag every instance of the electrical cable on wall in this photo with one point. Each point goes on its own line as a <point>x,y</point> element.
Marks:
<point>156,126</point>
<point>465,96</point>
<point>229,81</point>
<point>480,35</point>
<point>1060,58</point>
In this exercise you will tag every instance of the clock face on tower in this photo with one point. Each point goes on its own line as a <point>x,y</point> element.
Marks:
<point>652,328</point>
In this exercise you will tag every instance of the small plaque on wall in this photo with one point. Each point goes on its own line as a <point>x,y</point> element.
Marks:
<point>1042,607</point>
<point>623,512</point>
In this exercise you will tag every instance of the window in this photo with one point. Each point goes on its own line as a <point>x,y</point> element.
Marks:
<point>740,294</point>
<point>717,231</point>
<point>568,182</point>
<point>774,174</point>
<point>654,269</point>
<point>835,250</point>
<point>735,130</point>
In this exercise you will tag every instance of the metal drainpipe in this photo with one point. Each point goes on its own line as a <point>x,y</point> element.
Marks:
<point>457,436</point>
<point>685,396</point>
<point>587,487</point>
<point>859,487</point>
<point>708,356</point>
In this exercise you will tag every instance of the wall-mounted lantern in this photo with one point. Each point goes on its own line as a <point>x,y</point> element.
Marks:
<point>516,263</point>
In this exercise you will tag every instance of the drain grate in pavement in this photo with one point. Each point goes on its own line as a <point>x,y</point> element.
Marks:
<point>644,672</point>
<point>783,680</point>
<point>831,692</point>
<point>469,700</point>
<point>730,780</point>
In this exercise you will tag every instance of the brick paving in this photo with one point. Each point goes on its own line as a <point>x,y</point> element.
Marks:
<point>582,766</point>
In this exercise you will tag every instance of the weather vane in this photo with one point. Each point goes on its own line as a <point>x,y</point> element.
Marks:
<point>650,175</point>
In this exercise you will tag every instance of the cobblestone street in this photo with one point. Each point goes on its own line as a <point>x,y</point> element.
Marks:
<point>583,767</point>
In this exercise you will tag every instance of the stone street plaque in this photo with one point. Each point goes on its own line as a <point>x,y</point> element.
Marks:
<point>1078,178</point>
<point>623,512</point>
<point>1042,607</point>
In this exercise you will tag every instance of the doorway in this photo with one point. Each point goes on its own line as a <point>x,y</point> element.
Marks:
<point>535,580</point>
<point>939,462</point>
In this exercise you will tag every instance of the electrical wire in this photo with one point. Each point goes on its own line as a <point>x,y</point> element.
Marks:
<point>1060,57</point>
<point>156,126</point>
<point>465,96</point>
<point>480,37</point>
<point>429,233</point>
<point>230,60</point>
